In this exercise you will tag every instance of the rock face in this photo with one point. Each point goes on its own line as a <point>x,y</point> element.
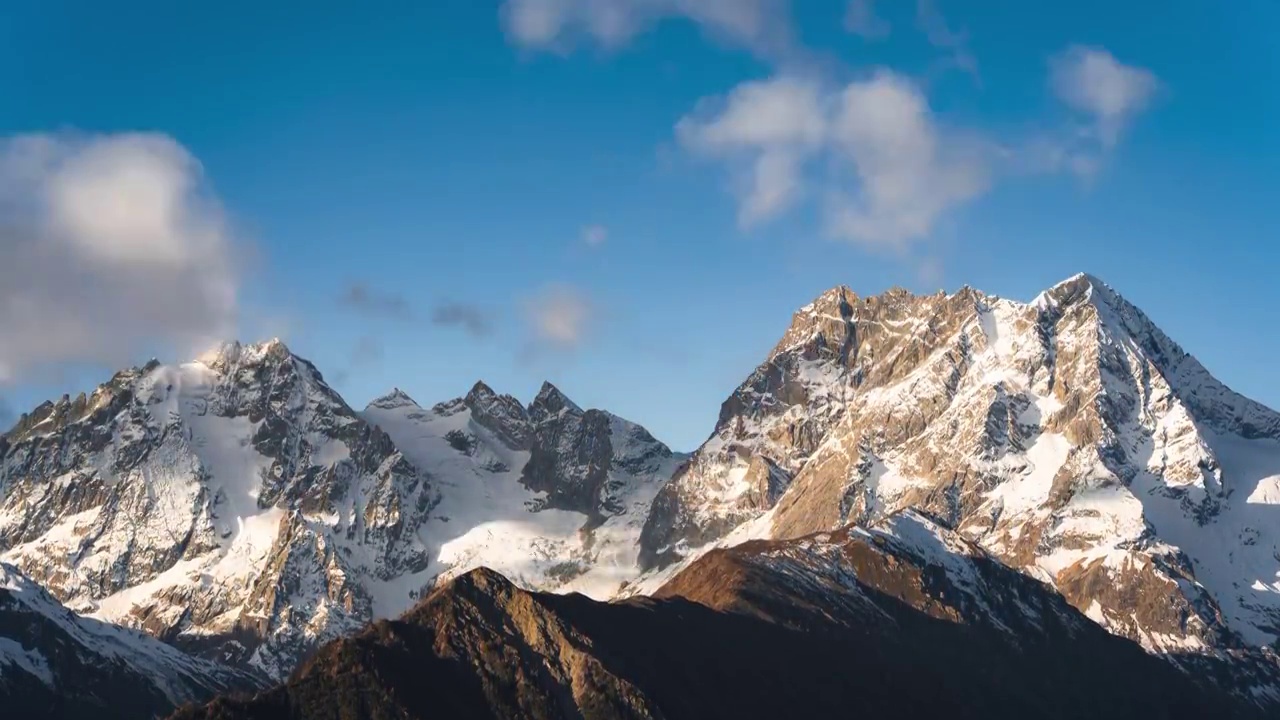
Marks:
<point>55,664</point>
<point>550,494</point>
<point>1068,436</point>
<point>239,509</point>
<point>234,506</point>
<point>914,621</point>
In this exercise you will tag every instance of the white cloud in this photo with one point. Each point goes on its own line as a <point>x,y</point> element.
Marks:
<point>910,172</point>
<point>109,243</point>
<point>558,316</point>
<point>1091,81</point>
<point>884,169</point>
<point>860,18</point>
<point>761,25</point>
<point>768,129</point>
<point>595,235</point>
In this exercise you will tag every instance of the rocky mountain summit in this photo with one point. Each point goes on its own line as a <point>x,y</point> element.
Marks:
<point>1068,436</point>
<point>549,494</point>
<point>238,508</point>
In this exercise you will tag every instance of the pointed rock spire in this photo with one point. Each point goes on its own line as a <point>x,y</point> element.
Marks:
<point>826,324</point>
<point>395,399</point>
<point>549,402</point>
<point>502,415</point>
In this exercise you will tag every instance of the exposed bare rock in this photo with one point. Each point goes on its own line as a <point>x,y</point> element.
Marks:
<point>236,507</point>
<point>911,620</point>
<point>1068,436</point>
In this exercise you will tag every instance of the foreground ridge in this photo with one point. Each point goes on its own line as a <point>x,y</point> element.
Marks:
<point>56,664</point>
<point>927,633</point>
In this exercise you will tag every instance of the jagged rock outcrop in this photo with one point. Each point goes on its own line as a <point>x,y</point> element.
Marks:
<point>502,415</point>
<point>912,620</point>
<point>235,506</point>
<point>57,665</point>
<point>238,508</point>
<point>1068,436</point>
<point>551,494</point>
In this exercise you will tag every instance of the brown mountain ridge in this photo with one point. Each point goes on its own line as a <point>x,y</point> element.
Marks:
<point>903,620</point>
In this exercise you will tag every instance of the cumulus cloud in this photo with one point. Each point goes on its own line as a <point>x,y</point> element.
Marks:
<point>595,235</point>
<point>1092,82</point>
<point>376,303</point>
<point>108,243</point>
<point>910,172</point>
<point>871,154</point>
<point>886,170</point>
<point>470,318</point>
<point>860,18</point>
<point>761,25</point>
<point>767,130</point>
<point>558,317</point>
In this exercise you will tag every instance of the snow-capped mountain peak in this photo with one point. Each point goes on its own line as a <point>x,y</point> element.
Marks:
<point>233,352</point>
<point>1067,436</point>
<point>394,399</point>
<point>217,503</point>
<point>550,402</point>
<point>239,506</point>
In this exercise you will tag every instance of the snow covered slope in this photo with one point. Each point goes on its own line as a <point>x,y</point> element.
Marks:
<point>234,506</point>
<point>1067,436</point>
<point>550,495</point>
<point>54,663</point>
<point>238,508</point>
<point>900,620</point>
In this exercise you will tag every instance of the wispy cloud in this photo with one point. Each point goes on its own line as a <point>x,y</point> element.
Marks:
<point>762,26</point>
<point>108,243</point>
<point>1107,92</point>
<point>595,235</point>
<point>376,303</point>
<point>860,18</point>
<point>883,168</point>
<point>942,36</point>
<point>559,317</point>
<point>471,318</point>
<point>366,351</point>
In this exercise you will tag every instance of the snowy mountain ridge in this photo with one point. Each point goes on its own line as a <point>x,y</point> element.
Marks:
<point>237,507</point>
<point>1068,436</point>
<point>52,660</point>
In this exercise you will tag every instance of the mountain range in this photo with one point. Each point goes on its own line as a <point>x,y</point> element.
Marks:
<point>993,498</point>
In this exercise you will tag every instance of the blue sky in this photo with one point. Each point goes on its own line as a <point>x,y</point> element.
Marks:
<point>423,194</point>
